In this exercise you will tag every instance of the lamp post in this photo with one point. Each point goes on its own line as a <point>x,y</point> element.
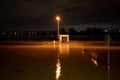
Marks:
<point>108,56</point>
<point>58,26</point>
<point>108,46</point>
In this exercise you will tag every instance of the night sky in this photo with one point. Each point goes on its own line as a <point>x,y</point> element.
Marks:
<point>40,14</point>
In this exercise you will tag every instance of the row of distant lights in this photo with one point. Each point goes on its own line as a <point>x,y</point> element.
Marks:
<point>19,33</point>
<point>108,31</point>
<point>10,33</point>
<point>36,32</point>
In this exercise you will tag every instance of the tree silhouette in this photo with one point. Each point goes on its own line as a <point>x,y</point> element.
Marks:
<point>72,31</point>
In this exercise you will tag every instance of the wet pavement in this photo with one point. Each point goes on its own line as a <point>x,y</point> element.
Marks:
<point>66,61</point>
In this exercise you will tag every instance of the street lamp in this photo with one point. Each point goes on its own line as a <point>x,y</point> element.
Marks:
<point>108,65</point>
<point>58,19</point>
<point>108,56</point>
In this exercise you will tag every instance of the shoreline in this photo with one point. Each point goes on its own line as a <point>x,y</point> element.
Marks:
<point>72,43</point>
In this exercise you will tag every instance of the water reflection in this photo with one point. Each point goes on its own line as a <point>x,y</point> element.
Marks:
<point>63,50</point>
<point>94,61</point>
<point>94,58</point>
<point>83,49</point>
<point>58,69</point>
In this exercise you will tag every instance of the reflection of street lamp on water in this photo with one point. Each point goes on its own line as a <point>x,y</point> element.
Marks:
<point>108,47</point>
<point>58,67</point>
<point>58,26</point>
<point>108,56</point>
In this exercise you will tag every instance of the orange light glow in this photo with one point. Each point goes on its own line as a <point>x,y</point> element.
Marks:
<point>94,61</point>
<point>64,49</point>
<point>58,18</point>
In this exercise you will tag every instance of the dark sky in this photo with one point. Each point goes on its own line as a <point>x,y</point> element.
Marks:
<point>40,14</point>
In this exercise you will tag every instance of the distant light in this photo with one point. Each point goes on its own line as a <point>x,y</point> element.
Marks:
<point>119,30</point>
<point>36,33</point>
<point>3,33</point>
<point>78,30</point>
<point>15,33</point>
<point>32,32</point>
<point>105,30</point>
<point>29,32</point>
<point>53,41</point>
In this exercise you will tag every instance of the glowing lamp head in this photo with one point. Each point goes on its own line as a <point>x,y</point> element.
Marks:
<point>58,18</point>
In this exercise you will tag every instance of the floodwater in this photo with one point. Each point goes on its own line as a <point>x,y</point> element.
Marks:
<point>58,62</point>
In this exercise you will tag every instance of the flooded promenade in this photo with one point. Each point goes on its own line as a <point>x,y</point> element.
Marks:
<point>76,60</point>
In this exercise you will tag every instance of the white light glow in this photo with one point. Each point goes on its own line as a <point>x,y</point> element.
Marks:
<point>58,69</point>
